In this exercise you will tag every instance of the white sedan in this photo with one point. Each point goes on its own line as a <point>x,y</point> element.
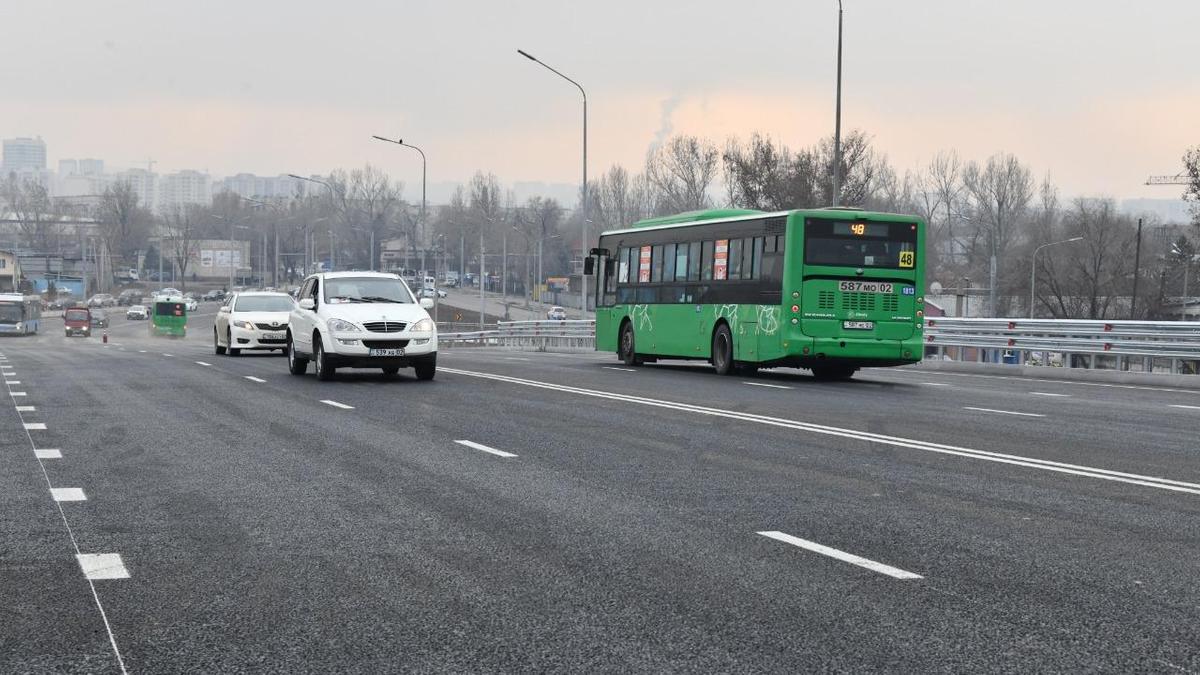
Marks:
<point>256,321</point>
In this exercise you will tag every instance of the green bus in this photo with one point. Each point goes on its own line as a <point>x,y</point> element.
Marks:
<point>832,290</point>
<point>168,316</point>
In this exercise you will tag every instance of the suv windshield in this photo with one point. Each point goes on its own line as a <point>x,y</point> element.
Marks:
<point>263,303</point>
<point>366,289</point>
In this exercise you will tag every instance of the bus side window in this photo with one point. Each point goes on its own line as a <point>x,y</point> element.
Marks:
<point>693,273</point>
<point>735,258</point>
<point>668,262</point>
<point>753,258</point>
<point>623,264</point>
<point>656,264</point>
<point>706,258</point>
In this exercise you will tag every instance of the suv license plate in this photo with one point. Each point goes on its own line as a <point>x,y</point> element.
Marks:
<point>386,352</point>
<point>858,325</point>
<point>866,287</point>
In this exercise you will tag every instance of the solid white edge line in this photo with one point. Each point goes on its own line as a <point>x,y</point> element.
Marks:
<point>484,448</point>
<point>1002,412</point>
<point>894,572</point>
<point>764,384</point>
<point>866,436</point>
<point>254,379</point>
<point>335,404</point>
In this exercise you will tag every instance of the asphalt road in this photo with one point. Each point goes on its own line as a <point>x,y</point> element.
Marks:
<point>559,512</point>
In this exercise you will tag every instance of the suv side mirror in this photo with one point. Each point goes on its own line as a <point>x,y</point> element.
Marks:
<point>307,303</point>
<point>224,310</point>
<point>427,303</point>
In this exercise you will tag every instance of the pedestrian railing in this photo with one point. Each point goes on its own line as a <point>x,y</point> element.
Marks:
<point>536,335</point>
<point>1117,344</point>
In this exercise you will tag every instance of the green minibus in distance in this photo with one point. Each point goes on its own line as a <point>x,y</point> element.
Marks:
<point>168,316</point>
<point>832,290</point>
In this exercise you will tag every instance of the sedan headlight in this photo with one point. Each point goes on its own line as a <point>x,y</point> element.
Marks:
<point>422,326</point>
<point>244,325</point>
<point>340,326</point>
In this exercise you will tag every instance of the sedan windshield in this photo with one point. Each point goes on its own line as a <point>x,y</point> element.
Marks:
<point>366,289</point>
<point>263,303</point>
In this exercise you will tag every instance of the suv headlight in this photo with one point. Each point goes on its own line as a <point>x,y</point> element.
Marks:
<point>340,326</point>
<point>244,325</point>
<point>424,325</point>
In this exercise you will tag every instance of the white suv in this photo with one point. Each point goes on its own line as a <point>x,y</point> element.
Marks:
<point>360,320</point>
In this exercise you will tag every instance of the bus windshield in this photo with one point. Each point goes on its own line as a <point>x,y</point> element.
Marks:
<point>11,312</point>
<point>846,243</point>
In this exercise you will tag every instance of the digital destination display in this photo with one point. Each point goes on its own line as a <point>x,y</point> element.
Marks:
<point>860,229</point>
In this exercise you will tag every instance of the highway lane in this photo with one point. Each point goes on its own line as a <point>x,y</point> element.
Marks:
<point>619,537</point>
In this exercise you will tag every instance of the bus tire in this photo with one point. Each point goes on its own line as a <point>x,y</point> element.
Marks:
<point>229,340</point>
<point>722,350</point>
<point>626,350</point>
<point>296,365</point>
<point>217,348</point>
<point>832,373</point>
<point>325,370</point>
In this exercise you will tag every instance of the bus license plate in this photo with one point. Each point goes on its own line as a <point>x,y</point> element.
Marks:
<point>386,352</point>
<point>866,287</point>
<point>274,336</point>
<point>858,325</point>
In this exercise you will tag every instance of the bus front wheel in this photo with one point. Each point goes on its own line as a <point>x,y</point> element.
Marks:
<point>627,350</point>
<point>722,350</point>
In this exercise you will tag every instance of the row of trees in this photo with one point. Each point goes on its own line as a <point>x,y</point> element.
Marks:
<point>986,219</point>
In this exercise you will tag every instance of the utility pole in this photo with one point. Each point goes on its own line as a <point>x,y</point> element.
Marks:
<point>481,277</point>
<point>1137,268</point>
<point>837,123</point>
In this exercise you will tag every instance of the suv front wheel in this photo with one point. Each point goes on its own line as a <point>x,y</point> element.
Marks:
<point>325,371</point>
<point>296,364</point>
<point>426,368</point>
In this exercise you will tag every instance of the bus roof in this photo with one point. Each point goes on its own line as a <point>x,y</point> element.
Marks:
<point>735,215</point>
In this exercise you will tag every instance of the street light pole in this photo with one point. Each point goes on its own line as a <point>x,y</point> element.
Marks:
<point>837,122</point>
<point>584,208</point>
<point>1033,268</point>
<point>329,187</point>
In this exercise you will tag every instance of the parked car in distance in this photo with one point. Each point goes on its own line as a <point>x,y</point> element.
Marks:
<point>77,321</point>
<point>99,319</point>
<point>361,320</point>
<point>137,313</point>
<point>556,313</point>
<point>252,320</point>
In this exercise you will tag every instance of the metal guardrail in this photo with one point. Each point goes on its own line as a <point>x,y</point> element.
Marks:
<point>1125,340</point>
<point>536,335</point>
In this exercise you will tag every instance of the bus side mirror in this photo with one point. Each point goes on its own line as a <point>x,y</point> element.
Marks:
<point>589,266</point>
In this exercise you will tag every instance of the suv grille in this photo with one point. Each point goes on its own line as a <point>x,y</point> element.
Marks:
<point>385,344</point>
<point>267,326</point>
<point>385,326</point>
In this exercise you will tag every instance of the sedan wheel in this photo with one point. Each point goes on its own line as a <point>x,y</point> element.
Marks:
<point>217,348</point>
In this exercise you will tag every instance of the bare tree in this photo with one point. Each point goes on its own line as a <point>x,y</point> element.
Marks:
<point>1191,163</point>
<point>33,209</point>
<point>182,232</point>
<point>1085,280</point>
<point>681,171</point>
<point>1000,193</point>
<point>617,199</point>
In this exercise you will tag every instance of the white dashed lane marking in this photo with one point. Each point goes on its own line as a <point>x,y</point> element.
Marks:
<point>1047,393</point>
<point>35,426</point>
<point>1002,412</point>
<point>1185,407</point>
<point>26,408</point>
<point>894,572</point>
<point>97,566</point>
<point>16,393</point>
<point>764,384</point>
<point>254,379</point>
<point>201,363</point>
<point>484,448</point>
<point>335,404</point>
<point>48,453</point>
<point>623,370</point>
<point>68,494</point>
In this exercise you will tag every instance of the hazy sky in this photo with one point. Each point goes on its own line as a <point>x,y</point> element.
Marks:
<point>1098,93</point>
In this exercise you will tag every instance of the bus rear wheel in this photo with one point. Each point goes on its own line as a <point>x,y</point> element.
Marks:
<point>722,350</point>
<point>627,351</point>
<point>830,373</point>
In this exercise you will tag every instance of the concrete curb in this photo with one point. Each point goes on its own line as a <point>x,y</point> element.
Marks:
<point>1066,374</point>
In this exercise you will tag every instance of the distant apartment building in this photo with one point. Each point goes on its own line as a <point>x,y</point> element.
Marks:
<point>144,183</point>
<point>80,178</point>
<point>23,154</point>
<point>260,187</point>
<point>185,187</point>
